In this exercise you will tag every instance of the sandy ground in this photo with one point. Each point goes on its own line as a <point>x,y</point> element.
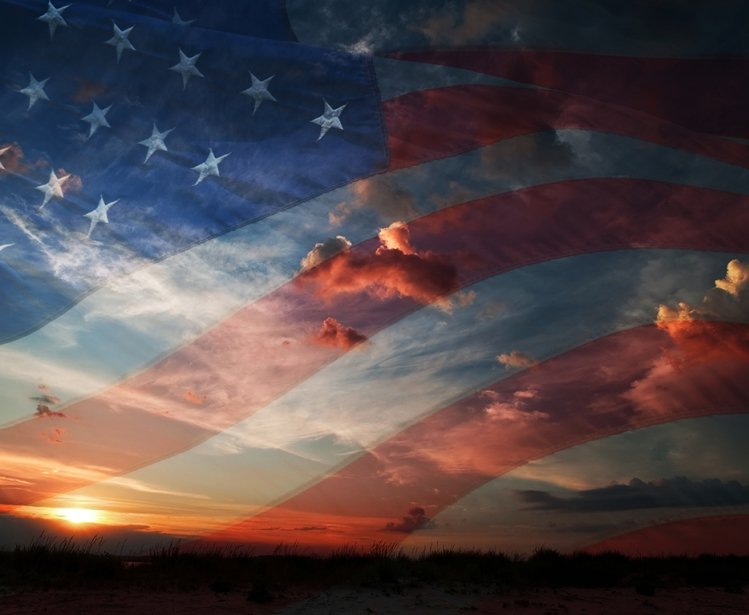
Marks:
<point>420,600</point>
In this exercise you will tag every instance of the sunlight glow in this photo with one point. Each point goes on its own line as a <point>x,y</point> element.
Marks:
<point>79,515</point>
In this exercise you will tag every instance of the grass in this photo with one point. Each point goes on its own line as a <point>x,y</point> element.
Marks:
<point>53,564</point>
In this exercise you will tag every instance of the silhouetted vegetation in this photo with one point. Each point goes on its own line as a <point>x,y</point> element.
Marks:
<point>49,564</point>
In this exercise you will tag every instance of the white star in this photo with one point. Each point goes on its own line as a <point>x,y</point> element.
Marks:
<point>155,143</point>
<point>329,119</point>
<point>53,188</point>
<point>35,90</point>
<point>2,151</point>
<point>53,18</point>
<point>99,214</point>
<point>259,91</point>
<point>6,245</point>
<point>97,119</point>
<point>120,40</point>
<point>186,67</point>
<point>209,167</point>
<point>176,19</point>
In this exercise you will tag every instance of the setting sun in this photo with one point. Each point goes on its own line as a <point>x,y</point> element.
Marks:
<point>79,515</point>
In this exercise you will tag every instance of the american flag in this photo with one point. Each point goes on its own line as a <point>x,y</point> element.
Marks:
<point>469,273</point>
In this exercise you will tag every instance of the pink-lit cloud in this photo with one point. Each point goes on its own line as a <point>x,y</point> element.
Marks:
<point>516,359</point>
<point>395,269</point>
<point>333,333</point>
<point>396,237</point>
<point>737,277</point>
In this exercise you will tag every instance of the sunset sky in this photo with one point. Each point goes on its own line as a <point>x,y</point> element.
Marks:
<point>470,274</point>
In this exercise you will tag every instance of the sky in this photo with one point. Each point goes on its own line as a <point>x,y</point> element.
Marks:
<point>464,273</point>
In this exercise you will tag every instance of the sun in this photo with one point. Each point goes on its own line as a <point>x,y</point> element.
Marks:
<point>79,516</point>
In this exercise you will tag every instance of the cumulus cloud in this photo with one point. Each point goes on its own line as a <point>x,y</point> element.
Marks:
<point>333,333</point>
<point>678,492</point>
<point>323,251</point>
<point>516,359</point>
<point>692,328</point>
<point>396,237</point>
<point>727,301</point>
<point>737,277</point>
<point>416,519</point>
<point>389,272</point>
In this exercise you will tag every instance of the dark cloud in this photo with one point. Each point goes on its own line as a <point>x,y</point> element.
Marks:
<point>416,519</point>
<point>125,539</point>
<point>44,411</point>
<point>43,402</point>
<point>679,492</point>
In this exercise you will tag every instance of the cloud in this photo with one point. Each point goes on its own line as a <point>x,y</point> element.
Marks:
<point>396,237</point>
<point>387,273</point>
<point>727,301</point>
<point>692,329</point>
<point>381,194</point>
<point>44,401</point>
<point>516,359</point>
<point>44,411</point>
<point>11,159</point>
<point>17,529</point>
<point>737,277</point>
<point>55,436</point>
<point>513,410</point>
<point>333,333</point>
<point>678,492</point>
<point>477,19</point>
<point>193,397</point>
<point>416,519</point>
<point>323,251</point>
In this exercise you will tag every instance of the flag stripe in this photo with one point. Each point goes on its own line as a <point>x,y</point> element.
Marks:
<point>152,311</point>
<point>405,372</point>
<point>656,86</point>
<point>484,238</point>
<point>424,125</point>
<point>591,392</point>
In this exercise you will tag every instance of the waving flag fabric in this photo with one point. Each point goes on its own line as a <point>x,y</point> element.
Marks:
<point>470,274</point>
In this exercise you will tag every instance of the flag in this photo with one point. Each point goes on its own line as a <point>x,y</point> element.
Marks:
<point>467,274</point>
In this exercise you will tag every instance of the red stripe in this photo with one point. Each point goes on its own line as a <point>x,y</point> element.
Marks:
<point>629,380</point>
<point>720,535</point>
<point>704,94</point>
<point>431,124</point>
<point>268,348</point>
